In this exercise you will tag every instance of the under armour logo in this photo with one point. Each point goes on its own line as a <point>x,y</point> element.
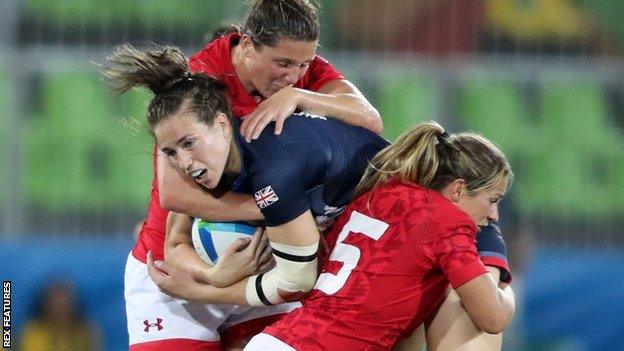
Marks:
<point>148,325</point>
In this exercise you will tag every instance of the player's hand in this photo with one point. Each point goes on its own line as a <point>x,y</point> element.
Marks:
<point>277,107</point>
<point>243,258</point>
<point>170,280</point>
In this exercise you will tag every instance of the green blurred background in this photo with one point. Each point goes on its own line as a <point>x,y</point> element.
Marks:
<point>544,79</point>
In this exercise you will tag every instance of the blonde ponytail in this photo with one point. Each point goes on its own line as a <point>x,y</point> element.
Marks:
<point>412,157</point>
<point>428,156</point>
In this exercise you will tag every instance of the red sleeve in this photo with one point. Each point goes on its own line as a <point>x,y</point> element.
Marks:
<point>319,73</point>
<point>500,263</point>
<point>456,253</point>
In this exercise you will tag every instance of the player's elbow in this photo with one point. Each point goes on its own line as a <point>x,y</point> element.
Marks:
<point>297,289</point>
<point>494,322</point>
<point>173,202</point>
<point>296,277</point>
<point>494,325</point>
<point>375,124</point>
<point>169,249</point>
<point>168,201</point>
<point>303,283</point>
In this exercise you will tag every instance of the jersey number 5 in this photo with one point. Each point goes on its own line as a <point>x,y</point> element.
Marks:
<point>348,254</point>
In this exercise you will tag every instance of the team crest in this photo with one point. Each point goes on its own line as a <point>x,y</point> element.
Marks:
<point>265,197</point>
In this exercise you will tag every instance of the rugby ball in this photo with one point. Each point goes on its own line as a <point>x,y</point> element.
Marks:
<point>210,239</point>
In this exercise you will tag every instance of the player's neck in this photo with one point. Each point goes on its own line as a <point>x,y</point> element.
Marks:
<point>238,61</point>
<point>235,161</point>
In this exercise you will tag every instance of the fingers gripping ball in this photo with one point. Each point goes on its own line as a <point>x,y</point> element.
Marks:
<point>210,239</point>
<point>493,250</point>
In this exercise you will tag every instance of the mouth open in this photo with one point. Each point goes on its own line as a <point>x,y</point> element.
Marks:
<point>198,174</point>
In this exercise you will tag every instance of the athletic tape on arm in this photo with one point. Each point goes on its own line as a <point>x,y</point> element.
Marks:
<point>295,271</point>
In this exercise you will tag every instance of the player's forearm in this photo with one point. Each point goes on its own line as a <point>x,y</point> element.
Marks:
<point>236,207</point>
<point>501,312</point>
<point>506,296</point>
<point>184,257</point>
<point>507,300</point>
<point>489,307</point>
<point>209,294</point>
<point>295,247</point>
<point>350,108</point>
<point>229,207</point>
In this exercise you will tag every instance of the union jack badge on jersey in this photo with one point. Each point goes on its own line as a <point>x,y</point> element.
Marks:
<point>265,197</point>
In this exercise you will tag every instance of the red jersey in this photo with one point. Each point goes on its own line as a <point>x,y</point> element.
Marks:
<point>152,234</point>
<point>394,252</point>
<point>216,59</point>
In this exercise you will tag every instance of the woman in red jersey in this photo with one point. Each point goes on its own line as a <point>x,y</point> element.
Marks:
<point>271,69</point>
<point>409,234</point>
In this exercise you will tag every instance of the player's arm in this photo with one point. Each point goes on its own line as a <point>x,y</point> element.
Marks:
<point>342,100</point>
<point>452,329</point>
<point>180,284</point>
<point>295,271</point>
<point>241,259</point>
<point>180,193</point>
<point>488,306</point>
<point>295,247</point>
<point>338,99</point>
<point>179,250</point>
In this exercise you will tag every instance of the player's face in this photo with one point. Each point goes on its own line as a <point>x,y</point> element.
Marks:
<point>194,148</point>
<point>483,206</point>
<point>273,68</point>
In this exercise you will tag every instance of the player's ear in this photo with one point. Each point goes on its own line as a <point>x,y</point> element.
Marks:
<point>246,44</point>
<point>222,122</point>
<point>455,190</point>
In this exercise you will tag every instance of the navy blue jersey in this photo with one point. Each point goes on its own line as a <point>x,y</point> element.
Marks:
<point>315,164</point>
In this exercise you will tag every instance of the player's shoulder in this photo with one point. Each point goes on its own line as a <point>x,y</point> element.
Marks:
<point>269,147</point>
<point>399,189</point>
<point>449,216</point>
<point>395,199</point>
<point>210,58</point>
<point>410,198</point>
<point>299,126</point>
<point>319,60</point>
<point>320,72</point>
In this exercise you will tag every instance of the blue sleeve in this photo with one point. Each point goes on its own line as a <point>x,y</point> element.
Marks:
<point>493,250</point>
<point>279,188</point>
